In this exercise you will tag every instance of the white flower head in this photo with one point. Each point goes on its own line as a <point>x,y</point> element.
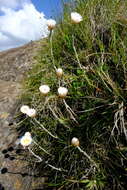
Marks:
<point>31,113</point>
<point>75,141</point>
<point>59,72</point>
<point>62,91</point>
<point>26,140</point>
<point>24,109</point>
<point>51,24</point>
<point>76,17</point>
<point>27,134</point>
<point>44,89</point>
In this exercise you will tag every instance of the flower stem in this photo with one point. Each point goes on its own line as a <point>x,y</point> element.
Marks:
<point>55,168</point>
<point>42,148</point>
<point>46,130</point>
<point>72,114</point>
<point>76,54</point>
<point>38,157</point>
<point>85,154</point>
<point>51,48</point>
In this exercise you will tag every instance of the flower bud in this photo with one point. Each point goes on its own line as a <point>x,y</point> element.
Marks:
<point>59,72</point>
<point>62,91</point>
<point>31,113</point>
<point>76,17</point>
<point>51,24</point>
<point>75,141</point>
<point>44,89</point>
<point>24,109</point>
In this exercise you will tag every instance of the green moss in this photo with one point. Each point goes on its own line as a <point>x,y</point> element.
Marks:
<point>93,55</point>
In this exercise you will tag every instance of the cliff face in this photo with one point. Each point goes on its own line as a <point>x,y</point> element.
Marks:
<point>13,65</point>
<point>15,62</point>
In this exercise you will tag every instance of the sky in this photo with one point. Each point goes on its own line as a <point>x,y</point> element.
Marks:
<point>24,20</point>
<point>49,7</point>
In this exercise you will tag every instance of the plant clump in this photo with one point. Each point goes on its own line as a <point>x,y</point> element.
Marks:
<point>87,104</point>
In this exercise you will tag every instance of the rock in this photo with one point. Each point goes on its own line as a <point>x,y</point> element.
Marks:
<point>13,66</point>
<point>15,62</point>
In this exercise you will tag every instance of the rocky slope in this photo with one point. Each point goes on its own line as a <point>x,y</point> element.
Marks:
<point>13,66</point>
